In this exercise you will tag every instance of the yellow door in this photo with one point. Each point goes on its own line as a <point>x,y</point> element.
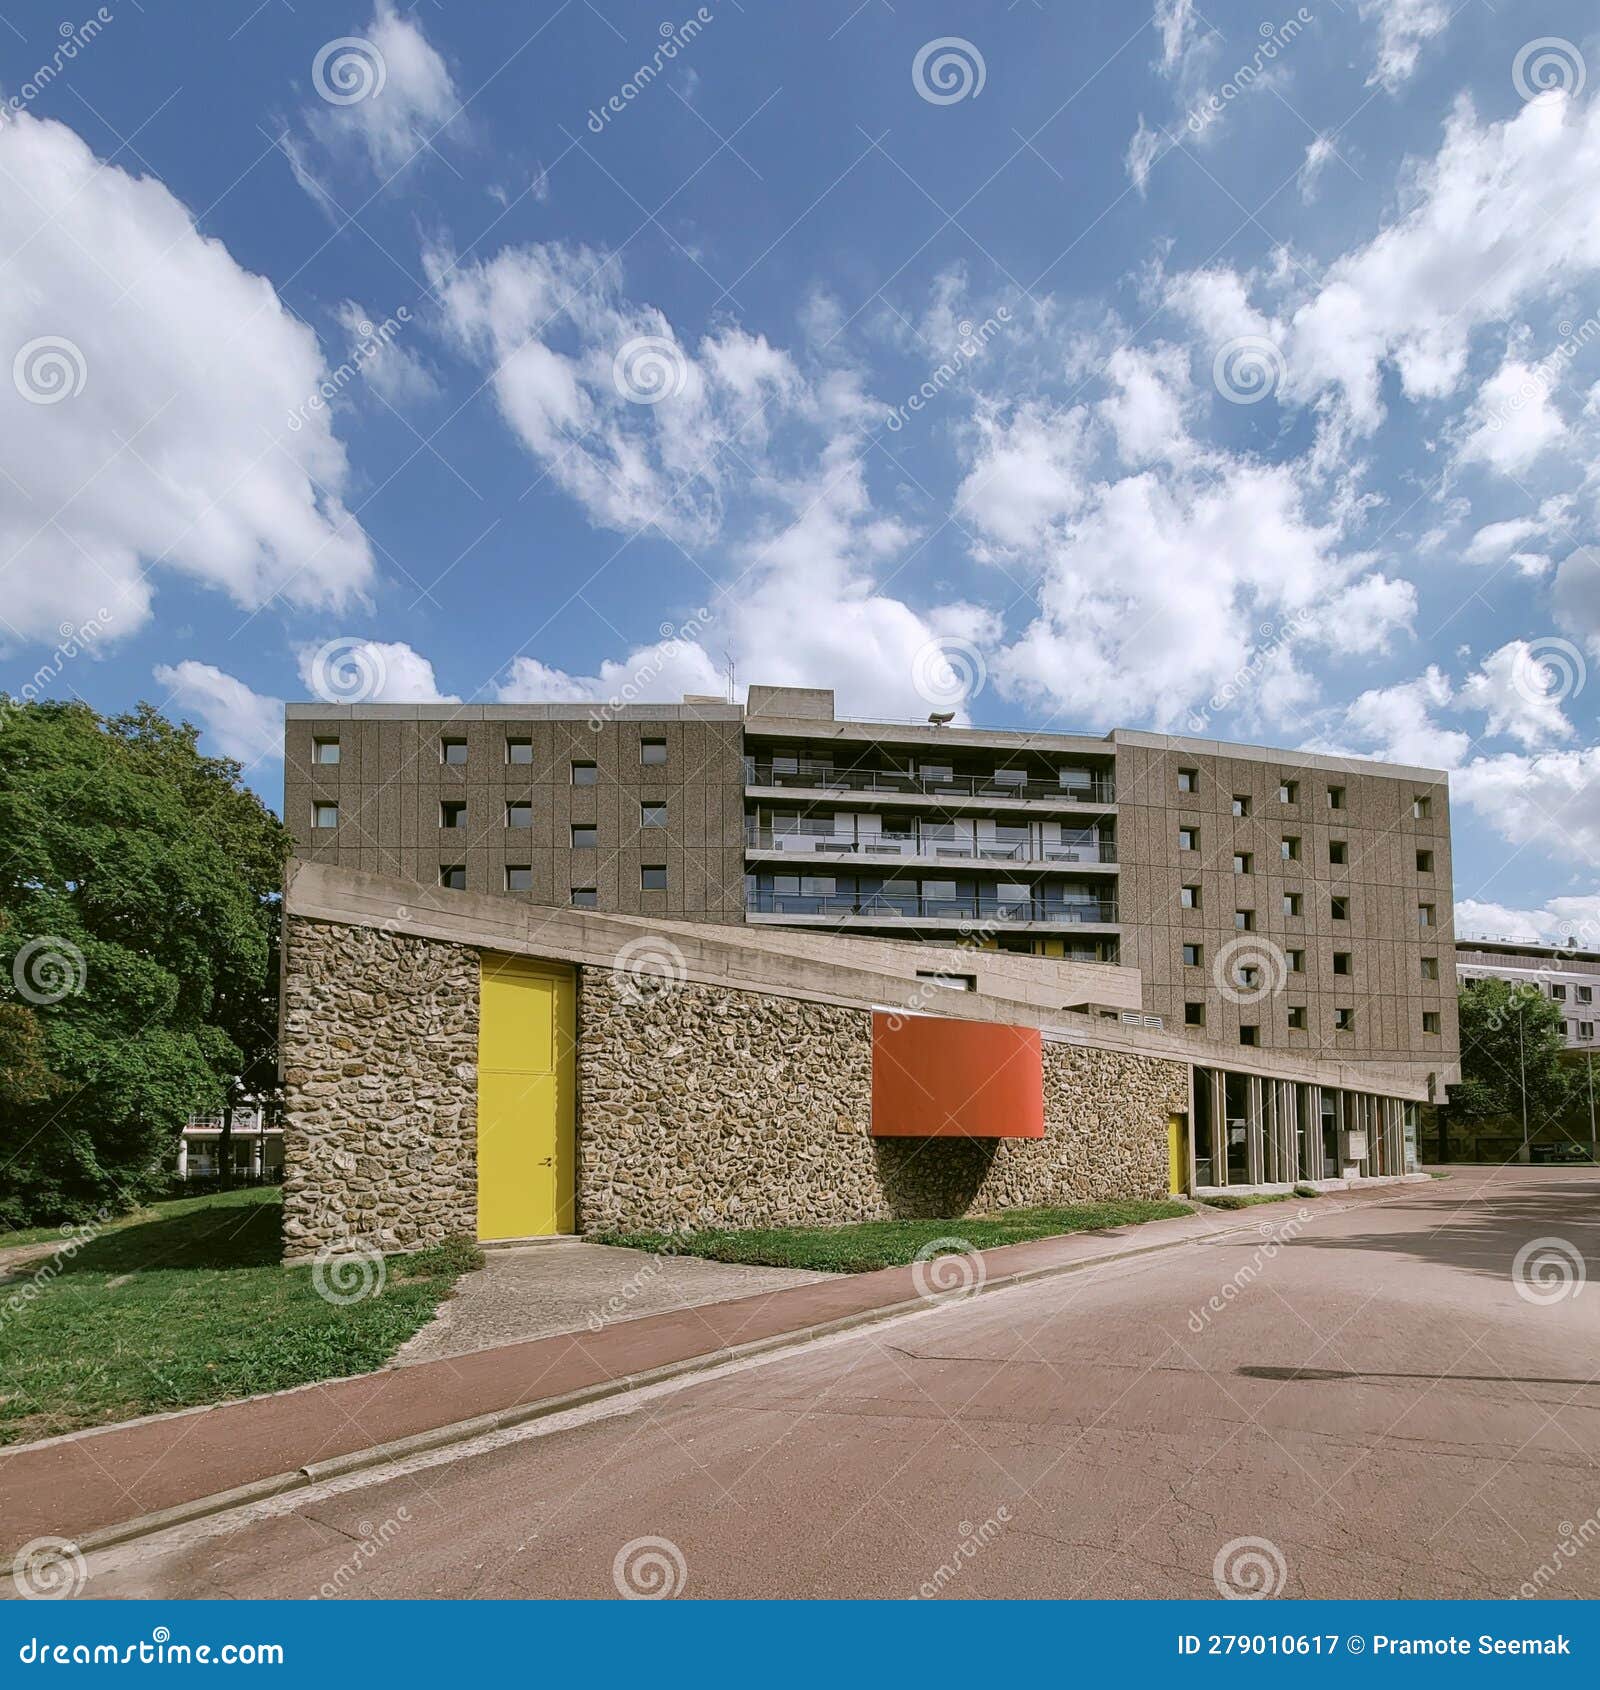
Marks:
<point>1177,1156</point>
<point>526,1026</point>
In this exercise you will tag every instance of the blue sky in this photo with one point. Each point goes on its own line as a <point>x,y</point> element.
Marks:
<point>1079,366</point>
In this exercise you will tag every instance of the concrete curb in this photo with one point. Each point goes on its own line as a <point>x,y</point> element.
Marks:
<point>463,1431</point>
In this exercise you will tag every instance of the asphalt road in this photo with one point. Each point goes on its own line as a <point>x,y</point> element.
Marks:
<point>1371,1399</point>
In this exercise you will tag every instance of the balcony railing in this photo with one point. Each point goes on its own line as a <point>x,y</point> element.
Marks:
<point>975,909</point>
<point>828,778</point>
<point>917,845</point>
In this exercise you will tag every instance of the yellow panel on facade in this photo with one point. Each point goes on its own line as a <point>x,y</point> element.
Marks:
<point>1177,1156</point>
<point>526,1027</point>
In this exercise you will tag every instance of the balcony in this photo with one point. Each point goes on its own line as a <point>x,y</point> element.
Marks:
<point>971,910</point>
<point>925,846</point>
<point>826,777</point>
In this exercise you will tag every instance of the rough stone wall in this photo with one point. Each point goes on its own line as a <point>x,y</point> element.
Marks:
<point>700,1106</point>
<point>380,1051</point>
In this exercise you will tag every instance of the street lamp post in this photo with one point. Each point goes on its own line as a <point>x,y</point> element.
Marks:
<point>1522,1075</point>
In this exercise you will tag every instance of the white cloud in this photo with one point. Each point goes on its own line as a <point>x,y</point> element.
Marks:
<point>1317,156</point>
<point>1550,801</point>
<point>1521,692</point>
<point>1404,27</point>
<point>1497,542</point>
<point>388,366</point>
<point>349,671</point>
<point>1513,421</point>
<point>245,725</point>
<point>1560,921</point>
<point>1398,723</point>
<point>174,451</point>
<point>1577,596</point>
<point>412,95</point>
<point>1144,149</point>
<point>660,673</point>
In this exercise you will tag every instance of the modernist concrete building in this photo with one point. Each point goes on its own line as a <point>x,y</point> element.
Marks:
<point>1569,976</point>
<point>1271,929</point>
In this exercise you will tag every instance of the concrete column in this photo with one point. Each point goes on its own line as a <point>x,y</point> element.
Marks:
<point>183,1158</point>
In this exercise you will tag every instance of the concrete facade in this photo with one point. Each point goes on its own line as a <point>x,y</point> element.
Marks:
<point>1064,848</point>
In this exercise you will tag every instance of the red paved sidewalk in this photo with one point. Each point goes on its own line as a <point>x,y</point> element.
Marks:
<point>76,1486</point>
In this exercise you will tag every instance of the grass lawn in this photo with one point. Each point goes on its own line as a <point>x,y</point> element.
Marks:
<point>866,1245</point>
<point>187,1303</point>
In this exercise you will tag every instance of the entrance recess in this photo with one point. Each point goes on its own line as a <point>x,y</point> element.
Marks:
<point>527,1021</point>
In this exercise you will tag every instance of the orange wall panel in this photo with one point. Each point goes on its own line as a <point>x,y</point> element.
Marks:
<point>939,1078</point>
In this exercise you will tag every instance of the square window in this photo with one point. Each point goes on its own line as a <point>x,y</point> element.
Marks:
<point>1430,968</point>
<point>652,751</point>
<point>1189,897</point>
<point>1335,797</point>
<point>519,750</point>
<point>1244,921</point>
<point>1296,961</point>
<point>1291,850</point>
<point>519,877</point>
<point>325,751</point>
<point>453,812</point>
<point>1297,1017</point>
<point>519,814</point>
<point>1424,862</point>
<point>452,751</point>
<point>652,815</point>
<point>584,774</point>
<point>653,877</point>
<point>1293,904</point>
<point>1339,908</point>
<point>1241,862</point>
<point>453,876</point>
<point>1425,915</point>
<point>1341,962</point>
<point>585,898</point>
<point>1194,1015</point>
<point>585,836</point>
<point>1188,839</point>
<point>1247,976</point>
<point>1249,1035</point>
<point>1586,1029</point>
<point>1344,1020</point>
<point>324,814</point>
<point>1585,994</point>
<point>1430,1021</point>
<point>1421,807</point>
<point>1338,853</point>
<point>1240,805</point>
<point>1192,955</point>
<point>1559,993</point>
<point>1289,792</point>
<point>1188,780</point>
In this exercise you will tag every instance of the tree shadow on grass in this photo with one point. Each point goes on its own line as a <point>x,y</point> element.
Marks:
<point>227,1235</point>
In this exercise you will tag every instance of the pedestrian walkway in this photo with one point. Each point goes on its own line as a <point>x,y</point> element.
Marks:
<point>86,1485</point>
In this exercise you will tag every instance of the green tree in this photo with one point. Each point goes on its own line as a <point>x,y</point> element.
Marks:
<point>138,901</point>
<point>1511,1055</point>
